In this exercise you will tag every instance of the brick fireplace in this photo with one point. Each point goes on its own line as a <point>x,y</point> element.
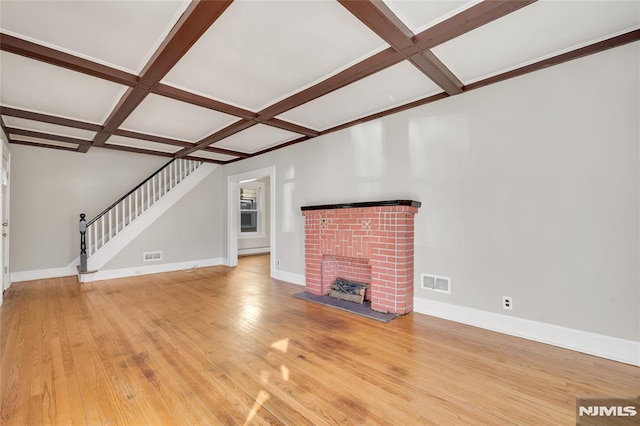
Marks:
<point>369,242</point>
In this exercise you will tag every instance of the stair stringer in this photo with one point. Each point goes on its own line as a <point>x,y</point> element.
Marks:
<point>142,222</point>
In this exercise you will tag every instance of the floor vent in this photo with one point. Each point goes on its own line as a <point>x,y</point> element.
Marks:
<point>436,283</point>
<point>152,255</point>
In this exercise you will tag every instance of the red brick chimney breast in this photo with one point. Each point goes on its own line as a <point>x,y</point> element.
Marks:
<point>360,241</point>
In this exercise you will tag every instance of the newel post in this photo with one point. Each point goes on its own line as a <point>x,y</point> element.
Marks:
<point>83,243</point>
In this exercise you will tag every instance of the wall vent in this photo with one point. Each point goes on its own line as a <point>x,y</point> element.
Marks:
<point>435,283</point>
<point>151,256</point>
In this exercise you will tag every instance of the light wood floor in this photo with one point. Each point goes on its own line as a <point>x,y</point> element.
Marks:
<point>231,346</point>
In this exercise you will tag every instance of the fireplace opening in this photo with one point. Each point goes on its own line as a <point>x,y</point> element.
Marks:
<point>351,291</point>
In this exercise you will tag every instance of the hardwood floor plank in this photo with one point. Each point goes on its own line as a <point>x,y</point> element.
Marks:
<point>383,370</point>
<point>167,392</point>
<point>12,338</point>
<point>248,403</point>
<point>231,346</point>
<point>72,396</point>
<point>64,399</point>
<point>287,391</point>
<point>264,401</point>
<point>85,371</point>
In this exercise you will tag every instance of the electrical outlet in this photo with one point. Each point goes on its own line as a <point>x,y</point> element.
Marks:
<point>278,262</point>
<point>507,302</point>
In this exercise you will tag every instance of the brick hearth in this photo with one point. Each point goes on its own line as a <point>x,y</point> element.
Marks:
<point>366,242</point>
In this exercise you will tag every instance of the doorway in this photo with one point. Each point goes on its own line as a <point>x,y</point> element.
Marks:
<point>234,183</point>
<point>255,263</point>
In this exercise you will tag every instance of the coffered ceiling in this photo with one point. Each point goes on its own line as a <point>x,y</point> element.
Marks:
<point>226,80</point>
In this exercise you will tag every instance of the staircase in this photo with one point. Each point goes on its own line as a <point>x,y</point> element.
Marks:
<point>110,231</point>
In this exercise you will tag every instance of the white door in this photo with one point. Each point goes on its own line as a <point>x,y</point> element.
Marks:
<point>6,281</point>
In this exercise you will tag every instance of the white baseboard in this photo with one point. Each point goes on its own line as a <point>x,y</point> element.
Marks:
<point>257,250</point>
<point>627,351</point>
<point>150,269</point>
<point>289,277</point>
<point>41,274</point>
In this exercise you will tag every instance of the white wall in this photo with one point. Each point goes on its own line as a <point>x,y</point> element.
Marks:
<point>530,188</point>
<point>50,188</point>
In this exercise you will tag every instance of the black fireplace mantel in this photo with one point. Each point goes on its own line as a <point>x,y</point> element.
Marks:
<point>386,203</point>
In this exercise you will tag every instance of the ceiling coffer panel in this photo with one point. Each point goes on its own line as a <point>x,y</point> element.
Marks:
<point>37,86</point>
<point>54,129</point>
<point>257,138</point>
<point>420,15</point>
<point>138,143</point>
<point>20,138</point>
<point>122,34</point>
<point>543,29</point>
<point>212,155</point>
<point>225,80</point>
<point>399,84</point>
<point>166,117</point>
<point>261,51</point>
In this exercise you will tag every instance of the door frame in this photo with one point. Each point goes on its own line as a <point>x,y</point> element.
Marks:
<point>5,246</point>
<point>233,212</point>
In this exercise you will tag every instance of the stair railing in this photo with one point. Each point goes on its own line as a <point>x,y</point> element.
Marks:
<point>95,233</point>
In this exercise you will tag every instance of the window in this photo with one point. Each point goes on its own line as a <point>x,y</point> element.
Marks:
<point>251,200</point>
<point>248,210</point>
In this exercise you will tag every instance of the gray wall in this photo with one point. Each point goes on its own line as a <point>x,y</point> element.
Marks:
<point>189,230</point>
<point>50,188</point>
<point>530,189</point>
